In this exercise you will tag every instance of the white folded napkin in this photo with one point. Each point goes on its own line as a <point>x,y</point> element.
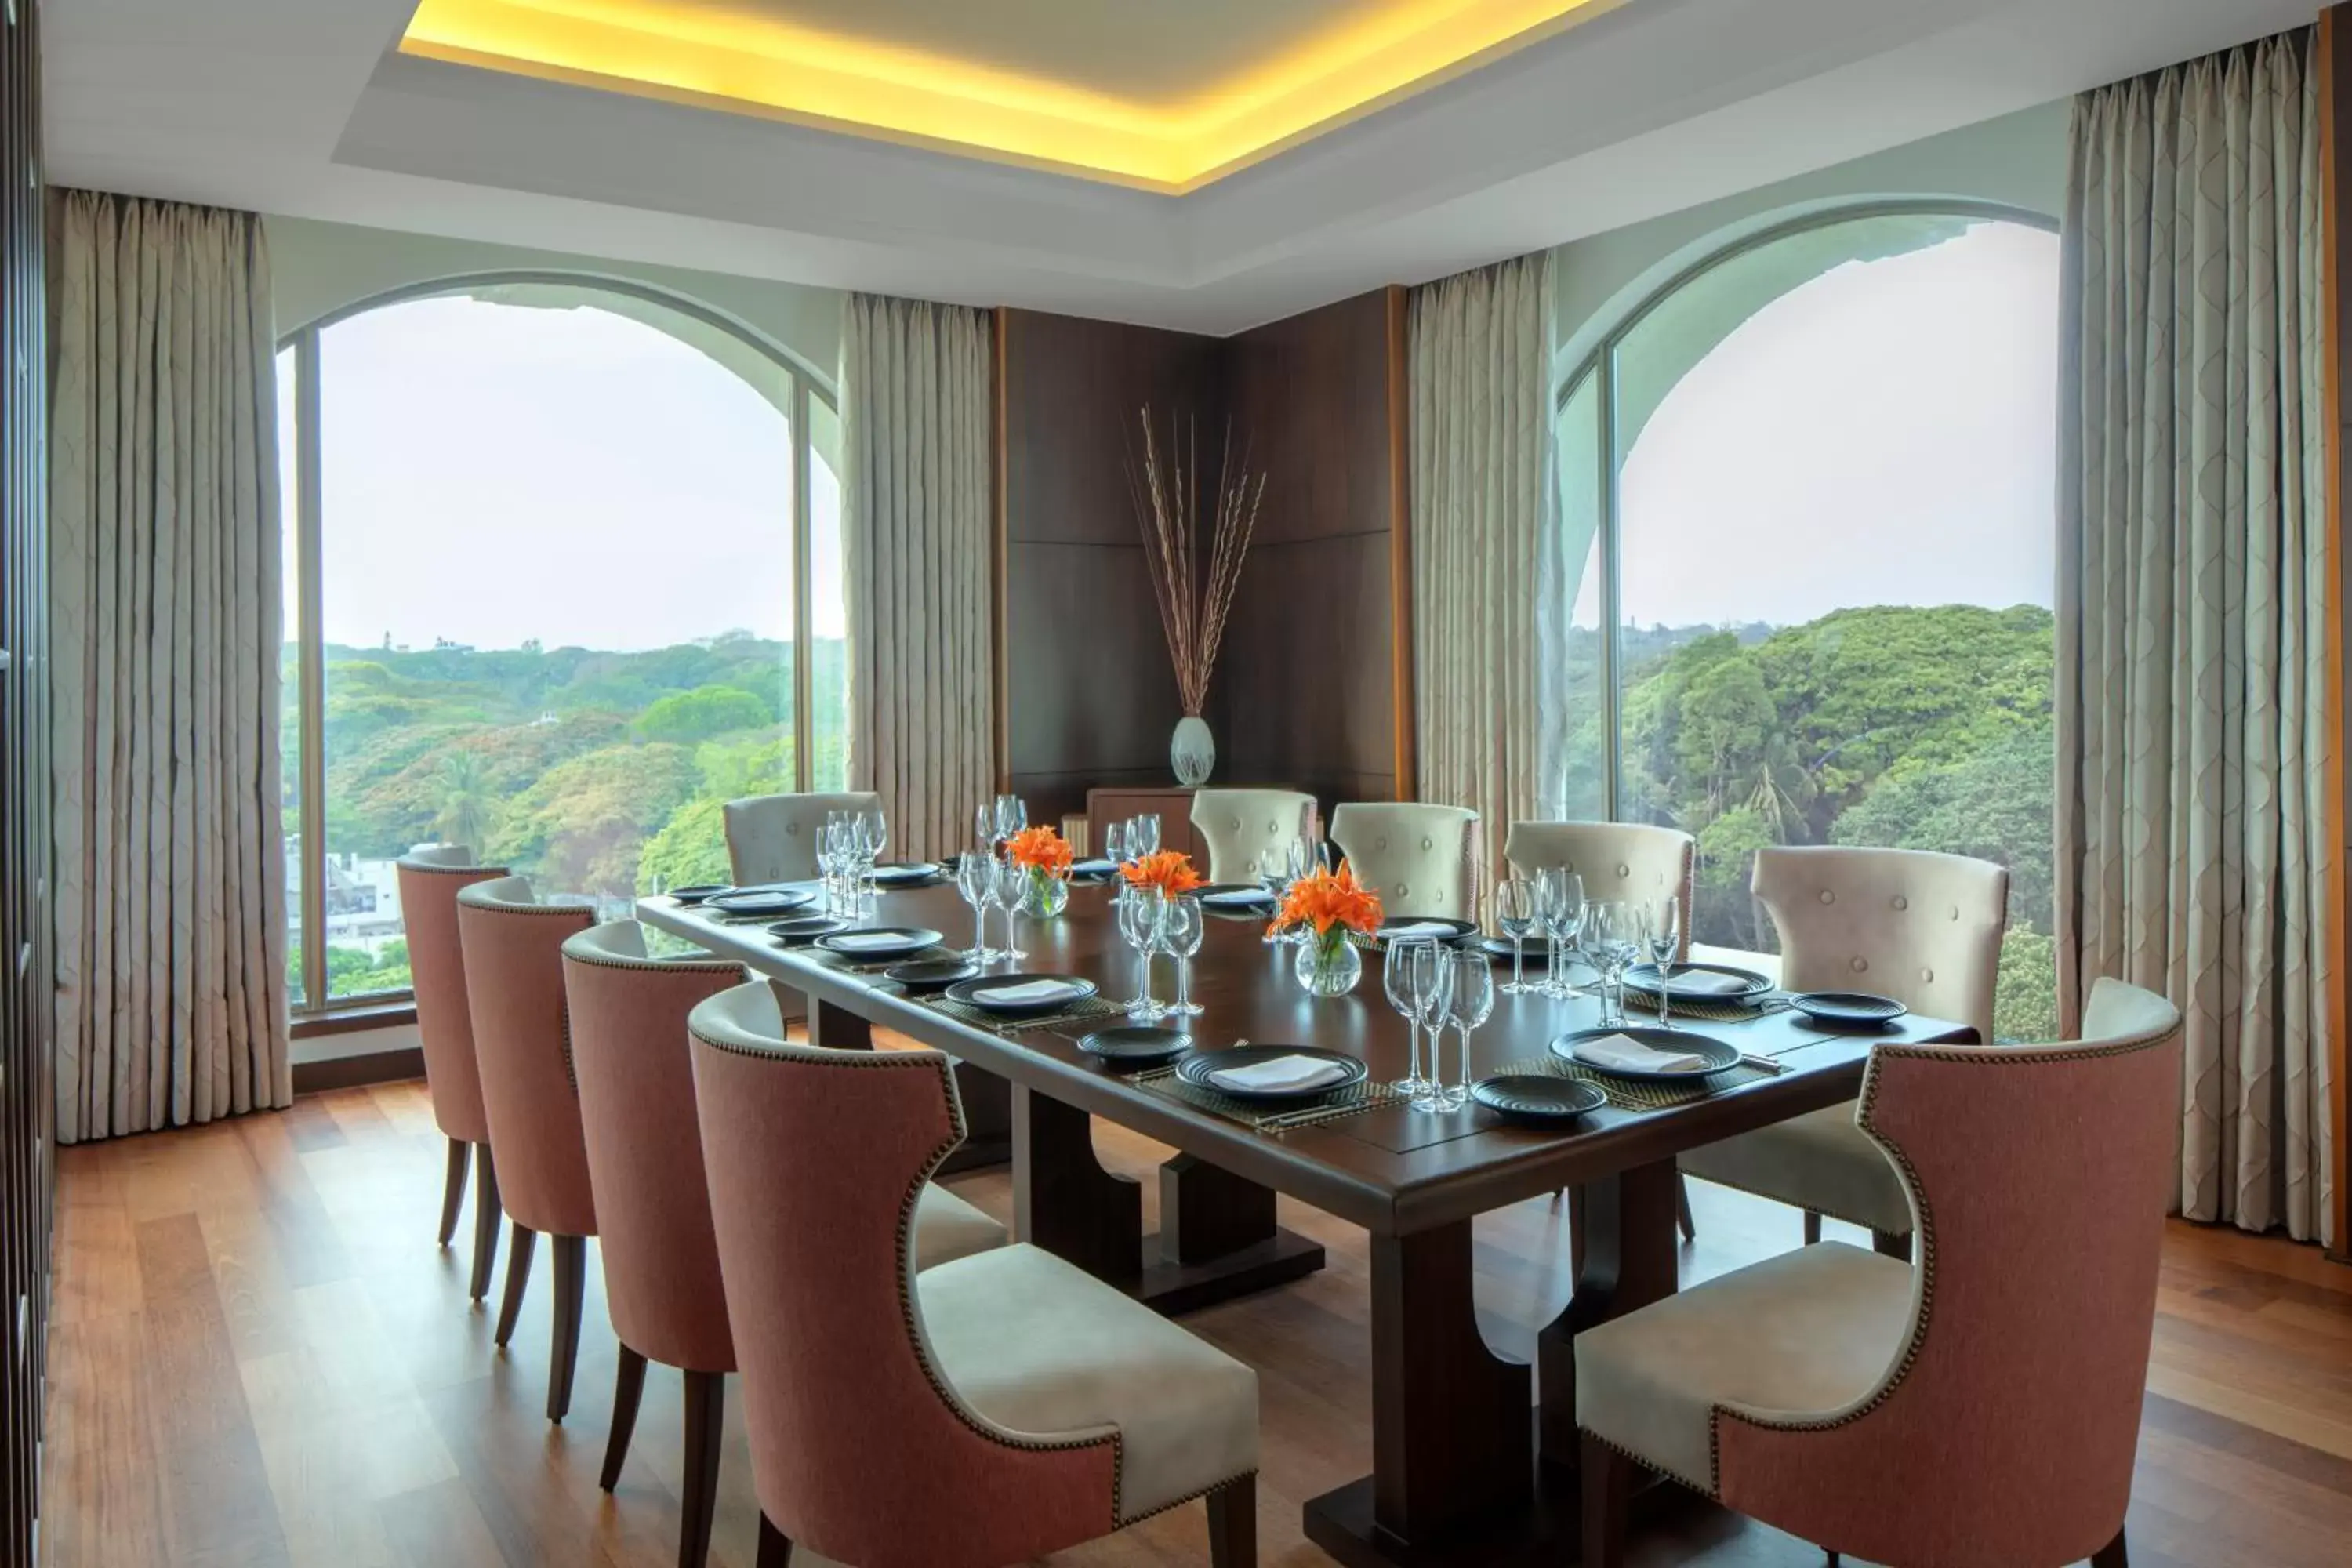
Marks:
<point>1094,868</point>
<point>1704,983</point>
<point>1620,1054</point>
<point>1028,991</point>
<point>864,940</point>
<point>1418,928</point>
<point>902,873</point>
<point>1238,896</point>
<point>1280,1073</point>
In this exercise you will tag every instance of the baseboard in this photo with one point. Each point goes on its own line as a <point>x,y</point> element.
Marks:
<point>350,1072</point>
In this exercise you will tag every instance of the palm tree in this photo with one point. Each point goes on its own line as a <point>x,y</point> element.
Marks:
<point>469,810</point>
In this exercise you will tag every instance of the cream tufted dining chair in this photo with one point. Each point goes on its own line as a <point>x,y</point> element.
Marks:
<point>1616,859</point>
<point>1922,928</point>
<point>1417,858</point>
<point>1241,826</point>
<point>772,837</point>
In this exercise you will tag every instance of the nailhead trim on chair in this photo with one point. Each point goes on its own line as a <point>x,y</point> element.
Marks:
<point>937,1062</point>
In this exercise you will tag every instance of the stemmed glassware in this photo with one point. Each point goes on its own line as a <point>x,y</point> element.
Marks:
<point>1012,815</point>
<point>1560,906</point>
<point>976,880</point>
<point>1661,929</point>
<point>1143,837</point>
<point>1012,882</point>
<point>1433,1004</point>
<point>1180,936</point>
<point>1138,926</point>
<point>1470,1003</point>
<point>1397,980</point>
<point>1612,939</point>
<point>1516,911</point>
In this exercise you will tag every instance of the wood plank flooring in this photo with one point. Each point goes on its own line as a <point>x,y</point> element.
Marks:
<point>258,1357</point>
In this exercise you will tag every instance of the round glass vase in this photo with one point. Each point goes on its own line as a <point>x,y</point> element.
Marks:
<point>1049,895</point>
<point>1327,965</point>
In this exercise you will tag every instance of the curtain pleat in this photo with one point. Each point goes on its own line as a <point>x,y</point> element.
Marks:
<point>915,539</point>
<point>1488,582</point>
<point>165,611</point>
<point>2192,561</point>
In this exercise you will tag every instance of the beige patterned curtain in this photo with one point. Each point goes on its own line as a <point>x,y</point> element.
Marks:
<point>1489,592</point>
<point>916,536</point>
<point>2193,848</point>
<point>165,611</point>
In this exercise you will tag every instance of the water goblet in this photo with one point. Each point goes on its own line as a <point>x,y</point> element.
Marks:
<point>976,880</point>
<point>1012,815</point>
<point>1516,911</point>
<point>1138,927</point>
<point>1433,1003</point>
<point>1662,931</point>
<point>1180,936</point>
<point>1611,941</point>
<point>1143,837</point>
<point>1469,1005</point>
<point>1560,906</point>
<point>1396,979</point>
<point>1011,888</point>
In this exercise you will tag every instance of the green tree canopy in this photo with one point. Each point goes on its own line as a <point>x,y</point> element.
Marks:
<point>707,710</point>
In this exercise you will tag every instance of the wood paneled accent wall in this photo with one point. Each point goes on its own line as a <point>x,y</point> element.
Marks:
<point>26,1104</point>
<point>2334,63</point>
<point>1308,689</point>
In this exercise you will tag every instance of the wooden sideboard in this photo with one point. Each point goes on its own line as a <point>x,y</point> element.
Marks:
<point>1173,806</point>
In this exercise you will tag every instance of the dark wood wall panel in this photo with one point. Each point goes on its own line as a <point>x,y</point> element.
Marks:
<point>26,1107</point>
<point>2333,64</point>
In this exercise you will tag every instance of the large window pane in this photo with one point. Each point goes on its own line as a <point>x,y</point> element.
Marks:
<point>828,612</point>
<point>289,712</point>
<point>1583,779</point>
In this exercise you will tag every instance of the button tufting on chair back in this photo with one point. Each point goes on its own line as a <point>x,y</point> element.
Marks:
<point>1418,858</point>
<point>1241,826</point>
<point>1923,928</point>
<point>772,837</point>
<point>1616,859</point>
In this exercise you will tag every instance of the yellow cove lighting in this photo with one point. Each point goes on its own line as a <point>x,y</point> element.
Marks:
<point>1381,51</point>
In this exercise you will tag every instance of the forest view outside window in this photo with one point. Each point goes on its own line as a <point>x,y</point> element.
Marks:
<point>576,577</point>
<point>1823,469</point>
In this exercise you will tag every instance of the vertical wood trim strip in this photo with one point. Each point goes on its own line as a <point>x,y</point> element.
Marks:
<point>999,419</point>
<point>1400,545</point>
<point>2332,83</point>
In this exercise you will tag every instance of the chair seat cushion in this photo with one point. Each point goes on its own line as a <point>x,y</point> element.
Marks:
<point>1041,1348</point>
<point>947,1228</point>
<point>1804,1333</point>
<point>1820,1160</point>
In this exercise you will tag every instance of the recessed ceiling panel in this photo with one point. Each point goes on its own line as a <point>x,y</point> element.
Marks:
<point>1166,95</point>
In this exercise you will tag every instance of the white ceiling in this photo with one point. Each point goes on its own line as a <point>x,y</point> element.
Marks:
<point>300,107</point>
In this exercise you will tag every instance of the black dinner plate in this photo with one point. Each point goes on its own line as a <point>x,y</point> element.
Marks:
<point>1717,1055</point>
<point>1538,948</point>
<point>1538,1099</point>
<point>699,891</point>
<point>932,974</point>
<point>1097,870</point>
<point>975,993</point>
<point>1848,1009</point>
<point>1234,896</point>
<point>760,902</point>
<point>1455,930</point>
<point>905,940</point>
<point>1131,1043</point>
<point>1195,1070</point>
<point>1645,977</point>
<point>803,929</point>
<point>905,874</point>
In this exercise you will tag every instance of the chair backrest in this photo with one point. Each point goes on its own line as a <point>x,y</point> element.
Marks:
<point>1923,928</point>
<point>1616,859</point>
<point>860,1450</point>
<point>514,992</point>
<point>1417,858</point>
<point>772,837</point>
<point>645,1148</point>
<point>1241,826</point>
<point>430,877</point>
<point>2005,1430</point>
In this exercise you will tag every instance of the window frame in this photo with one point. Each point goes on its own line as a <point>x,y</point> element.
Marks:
<point>1599,367</point>
<point>316,1009</point>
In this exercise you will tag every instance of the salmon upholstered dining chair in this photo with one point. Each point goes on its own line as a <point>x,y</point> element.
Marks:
<point>1250,831</point>
<point>629,1015</point>
<point>1980,1409</point>
<point>985,1411</point>
<point>1418,858</point>
<point>514,991</point>
<point>1923,929</point>
<point>772,837</point>
<point>429,878</point>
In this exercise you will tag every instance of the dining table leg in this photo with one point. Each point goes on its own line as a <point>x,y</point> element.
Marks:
<point>1063,1199</point>
<point>1626,1258</point>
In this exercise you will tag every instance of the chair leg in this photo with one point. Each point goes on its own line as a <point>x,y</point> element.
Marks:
<point>1813,1227</point>
<point>1683,1221</point>
<point>486,1224</point>
<point>2112,1555</point>
<point>776,1546</point>
<point>1608,1477</point>
<point>1888,1243</point>
<point>453,1187</point>
<point>628,1389</point>
<point>706,1429</point>
<point>518,1247</point>
<point>563,1343</point>
<point>1232,1525</point>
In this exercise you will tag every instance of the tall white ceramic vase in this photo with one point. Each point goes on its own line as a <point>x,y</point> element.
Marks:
<point>1192,752</point>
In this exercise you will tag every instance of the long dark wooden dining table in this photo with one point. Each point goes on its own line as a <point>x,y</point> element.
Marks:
<point>1462,1472</point>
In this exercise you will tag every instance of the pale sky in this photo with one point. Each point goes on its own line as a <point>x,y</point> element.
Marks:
<point>1882,435</point>
<point>496,472</point>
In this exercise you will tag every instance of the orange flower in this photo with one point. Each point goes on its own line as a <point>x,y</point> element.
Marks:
<point>1040,849</point>
<point>1171,871</point>
<point>1325,899</point>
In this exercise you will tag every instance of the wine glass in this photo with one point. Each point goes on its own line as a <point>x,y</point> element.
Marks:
<point>1612,937</point>
<point>1180,936</point>
<point>976,880</point>
<point>1138,926</point>
<point>877,828</point>
<point>1433,1001</point>
<point>1471,1003</point>
<point>1661,924</point>
<point>1011,885</point>
<point>1560,906</point>
<point>1115,849</point>
<point>1143,837</point>
<point>984,825</point>
<point>1516,911</point>
<point>1012,815</point>
<point>1396,979</point>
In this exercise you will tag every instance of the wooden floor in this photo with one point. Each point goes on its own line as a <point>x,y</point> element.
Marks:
<point>259,1357</point>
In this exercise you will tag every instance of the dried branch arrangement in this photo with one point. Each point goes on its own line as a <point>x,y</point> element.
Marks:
<point>1167,489</point>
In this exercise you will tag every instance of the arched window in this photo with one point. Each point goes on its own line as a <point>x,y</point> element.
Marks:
<point>1809,489</point>
<point>564,573</point>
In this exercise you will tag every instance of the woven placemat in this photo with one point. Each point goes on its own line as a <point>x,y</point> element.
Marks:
<point>1713,1011</point>
<point>1352,1101</point>
<point>847,965</point>
<point>1632,1094</point>
<point>1091,1010</point>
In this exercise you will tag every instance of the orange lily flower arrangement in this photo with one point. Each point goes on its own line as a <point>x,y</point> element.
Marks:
<point>1331,902</point>
<point>1170,872</point>
<point>1040,849</point>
